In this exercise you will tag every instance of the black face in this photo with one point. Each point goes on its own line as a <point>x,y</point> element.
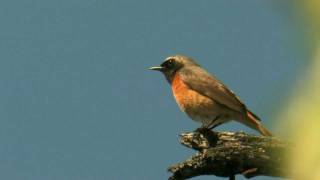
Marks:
<point>168,64</point>
<point>169,67</point>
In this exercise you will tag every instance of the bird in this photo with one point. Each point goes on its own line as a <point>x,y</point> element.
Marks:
<point>203,97</point>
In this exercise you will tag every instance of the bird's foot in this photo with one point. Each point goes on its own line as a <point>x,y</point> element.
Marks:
<point>203,129</point>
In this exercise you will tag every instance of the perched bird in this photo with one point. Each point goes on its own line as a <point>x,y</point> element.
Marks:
<point>203,97</point>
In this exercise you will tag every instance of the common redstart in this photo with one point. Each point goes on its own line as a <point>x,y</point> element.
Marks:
<point>203,97</point>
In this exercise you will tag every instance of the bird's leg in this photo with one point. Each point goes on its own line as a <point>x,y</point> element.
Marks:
<point>202,127</point>
<point>214,123</point>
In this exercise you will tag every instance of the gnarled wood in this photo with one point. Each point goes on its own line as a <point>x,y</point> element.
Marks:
<point>226,154</point>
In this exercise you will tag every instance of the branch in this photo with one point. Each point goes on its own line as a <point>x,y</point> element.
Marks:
<point>226,154</point>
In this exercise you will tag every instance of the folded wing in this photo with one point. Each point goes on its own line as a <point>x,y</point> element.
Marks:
<point>206,84</point>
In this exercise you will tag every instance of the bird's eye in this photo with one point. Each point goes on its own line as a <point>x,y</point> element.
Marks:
<point>168,63</point>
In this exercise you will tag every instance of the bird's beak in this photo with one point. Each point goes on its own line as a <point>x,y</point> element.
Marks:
<point>156,68</point>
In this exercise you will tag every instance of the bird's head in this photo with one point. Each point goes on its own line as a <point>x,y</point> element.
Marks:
<point>173,64</point>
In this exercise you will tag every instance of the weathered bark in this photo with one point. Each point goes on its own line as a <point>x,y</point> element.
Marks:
<point>226,154</point>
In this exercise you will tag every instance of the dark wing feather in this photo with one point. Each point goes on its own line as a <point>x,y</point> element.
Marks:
<point>204,83</point>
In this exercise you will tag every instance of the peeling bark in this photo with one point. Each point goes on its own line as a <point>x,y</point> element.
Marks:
<point>226,154</point>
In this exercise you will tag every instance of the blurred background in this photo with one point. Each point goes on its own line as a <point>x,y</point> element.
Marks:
<point>298,119</point>
<point>77,103</point>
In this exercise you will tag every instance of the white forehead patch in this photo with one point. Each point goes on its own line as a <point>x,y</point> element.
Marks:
<point>170,57</point>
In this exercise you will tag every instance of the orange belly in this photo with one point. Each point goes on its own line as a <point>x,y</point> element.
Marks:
<point>197,106</point>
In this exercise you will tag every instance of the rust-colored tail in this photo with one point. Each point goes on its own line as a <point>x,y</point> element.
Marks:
<point>254,122</point>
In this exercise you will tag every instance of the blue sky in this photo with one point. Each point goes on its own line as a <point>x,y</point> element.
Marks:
<point>76,100</point>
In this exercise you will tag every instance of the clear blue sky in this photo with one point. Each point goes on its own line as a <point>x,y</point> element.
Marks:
<point>76,100</point>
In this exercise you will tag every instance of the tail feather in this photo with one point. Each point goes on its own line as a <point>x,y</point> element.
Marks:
<point>254,122</point>
<point>249,113</point>
<point>264,131</point>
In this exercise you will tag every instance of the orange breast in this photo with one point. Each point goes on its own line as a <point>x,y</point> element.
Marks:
<point>189,100</point>
<point>180,91</point>
<point>198,107</point>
